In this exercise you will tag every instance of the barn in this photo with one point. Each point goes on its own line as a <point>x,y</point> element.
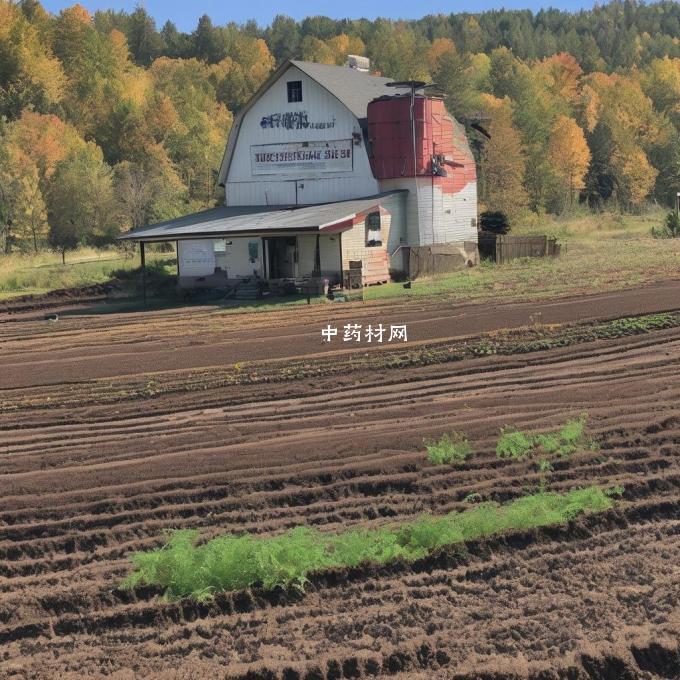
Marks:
<point>332,173</point>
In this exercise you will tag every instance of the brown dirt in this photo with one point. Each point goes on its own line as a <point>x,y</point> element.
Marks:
<point>82,487</point>
<point>58,298</point>
<point>36,352</point>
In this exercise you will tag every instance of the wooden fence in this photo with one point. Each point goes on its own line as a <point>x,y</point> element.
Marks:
<point>503,248</point>
<point>440,258</point>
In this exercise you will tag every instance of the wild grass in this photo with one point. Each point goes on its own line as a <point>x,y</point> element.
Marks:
<point>184,568</point>
<point>568,439</point>
<point>450,447</point>
<point>600,253</point>
<point>22,274</point>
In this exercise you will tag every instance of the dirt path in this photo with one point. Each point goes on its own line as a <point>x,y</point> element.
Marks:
<point>34,353</point>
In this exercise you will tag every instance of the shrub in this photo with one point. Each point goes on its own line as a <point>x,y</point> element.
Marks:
<point>569,439</point>
<point>449,448</point>
<point>513,444</point>
<point>495,222</point>
<point>670,228</point>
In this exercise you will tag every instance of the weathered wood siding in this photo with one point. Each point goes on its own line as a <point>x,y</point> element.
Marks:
<point>376,262</point>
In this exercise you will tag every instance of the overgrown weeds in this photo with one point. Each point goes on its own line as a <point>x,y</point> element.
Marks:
<point>233,562</point>
<point>513,443</point>
<point>570,438</point>
<point>449,448</point>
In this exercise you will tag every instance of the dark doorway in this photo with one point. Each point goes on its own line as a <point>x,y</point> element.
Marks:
<point>281,257</point>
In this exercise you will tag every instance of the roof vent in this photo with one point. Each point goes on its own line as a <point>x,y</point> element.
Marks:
<point>358,63</point>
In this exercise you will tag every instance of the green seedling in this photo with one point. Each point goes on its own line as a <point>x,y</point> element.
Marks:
<point>184,568</point>
<point>449,448</point>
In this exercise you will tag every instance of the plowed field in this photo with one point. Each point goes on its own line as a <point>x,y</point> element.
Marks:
<point>88,479</point>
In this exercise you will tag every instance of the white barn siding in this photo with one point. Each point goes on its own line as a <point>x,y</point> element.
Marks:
<point>245,188</point>
<point>197,257</point>
<point>436,217</point>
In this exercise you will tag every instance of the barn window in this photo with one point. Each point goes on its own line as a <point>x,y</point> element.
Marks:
<point>373,232</point>
<point>295,91</point>
<point>221,245</point>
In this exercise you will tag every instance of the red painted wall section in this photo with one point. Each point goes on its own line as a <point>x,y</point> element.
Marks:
<point>436,133</point>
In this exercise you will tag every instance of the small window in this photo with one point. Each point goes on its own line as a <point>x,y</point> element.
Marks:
<point>295,91</point>
<point>221,245</point>
<point>373,232</point>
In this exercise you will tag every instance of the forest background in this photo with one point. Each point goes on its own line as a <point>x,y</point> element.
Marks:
<point>108,123</point>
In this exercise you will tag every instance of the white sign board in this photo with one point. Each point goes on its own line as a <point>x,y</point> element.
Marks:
<point>196,257</point>
<point>301,157</point>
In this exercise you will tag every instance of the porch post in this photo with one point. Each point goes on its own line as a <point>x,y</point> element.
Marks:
<point>317,258</point>
<point>143,262</point>
<point>342,270</point>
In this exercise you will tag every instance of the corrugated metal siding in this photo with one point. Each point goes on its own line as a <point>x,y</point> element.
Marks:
<point>243,188</point>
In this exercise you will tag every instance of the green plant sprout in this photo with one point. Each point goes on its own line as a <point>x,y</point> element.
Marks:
<point>233,562</point>
<point>570,438</point>
<point>450,447</point>
<point>513,444</point>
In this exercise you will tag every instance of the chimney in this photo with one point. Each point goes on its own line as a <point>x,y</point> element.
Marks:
<point>358,63</point>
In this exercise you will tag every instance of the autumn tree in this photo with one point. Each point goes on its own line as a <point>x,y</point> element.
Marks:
<point>399,52</point>
<point>80,201</point>
<point>569,157</point>
<point>23,219</point>
<point>634,175</point>
<point>197,144</point>
<point>148,190</point>
<point>627,129</point>
<point>284,38</point>
<point>238,76</point>
<point>44,138</point>
<point>343,44</point>
<point>439,48</point>
<point>30,76</point>
<point>661,83</point>
<point>503,165</point>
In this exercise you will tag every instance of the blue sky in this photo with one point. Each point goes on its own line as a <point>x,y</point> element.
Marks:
<point>185,14</point>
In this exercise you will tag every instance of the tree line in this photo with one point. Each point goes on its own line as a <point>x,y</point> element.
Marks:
<point>108,123</point>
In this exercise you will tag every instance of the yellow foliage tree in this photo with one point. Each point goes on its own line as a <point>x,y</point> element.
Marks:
<point>317,50</point>
<point>20,180</point>
<point>503,164</point>
<point>634,175</point>
<point>439,47</point>
<point>343,44</point>
<point>45,139</point>
<point>26,57</point>
<point>569,158</point>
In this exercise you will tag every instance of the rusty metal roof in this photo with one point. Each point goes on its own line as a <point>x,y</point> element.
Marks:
<point>233,220</point>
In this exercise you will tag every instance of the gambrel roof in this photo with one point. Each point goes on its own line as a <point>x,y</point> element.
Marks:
<point>353,88</point>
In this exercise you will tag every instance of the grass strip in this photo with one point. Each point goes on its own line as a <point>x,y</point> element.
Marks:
<point>233,562</point>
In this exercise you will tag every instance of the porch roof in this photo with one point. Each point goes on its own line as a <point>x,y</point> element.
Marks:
<point>232,220</point>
